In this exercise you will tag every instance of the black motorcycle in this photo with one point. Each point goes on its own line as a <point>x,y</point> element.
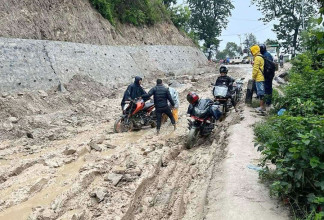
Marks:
<point>201,123</point>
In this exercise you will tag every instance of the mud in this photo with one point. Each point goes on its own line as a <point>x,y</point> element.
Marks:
<point>56,173</point>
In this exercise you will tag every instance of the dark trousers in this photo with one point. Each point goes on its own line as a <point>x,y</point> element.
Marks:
<point>159,111</point>
<point>268,91</point>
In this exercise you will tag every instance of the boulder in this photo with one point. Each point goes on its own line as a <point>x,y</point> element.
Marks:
<point>42,93</point>
<point>69,151</point>
<point>113,178</point>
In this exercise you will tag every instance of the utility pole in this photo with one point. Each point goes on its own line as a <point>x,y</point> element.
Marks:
<point>303,17</point>
<point>240,43</point>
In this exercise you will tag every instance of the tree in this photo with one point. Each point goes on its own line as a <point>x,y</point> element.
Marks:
<point>167,3</point>
<point>208,18</point>
<point>250,40</point>
<point>180,16</point>
<point>291,14</point>
<point>231,50</point>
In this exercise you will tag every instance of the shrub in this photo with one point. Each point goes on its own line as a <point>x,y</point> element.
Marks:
<point>295,145</point>
<point>136,12</point>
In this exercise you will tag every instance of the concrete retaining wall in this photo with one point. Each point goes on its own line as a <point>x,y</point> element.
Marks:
<point>36,64</point>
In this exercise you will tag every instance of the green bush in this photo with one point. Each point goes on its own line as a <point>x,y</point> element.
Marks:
<point>294,142</point>
<point>136,12</point>
<point>304,94</point>
<point>295,146</point>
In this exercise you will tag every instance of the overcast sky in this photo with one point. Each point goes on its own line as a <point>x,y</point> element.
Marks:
<point>244,20</point>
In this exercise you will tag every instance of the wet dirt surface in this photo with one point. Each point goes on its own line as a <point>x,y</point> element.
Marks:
<point>72,165</point>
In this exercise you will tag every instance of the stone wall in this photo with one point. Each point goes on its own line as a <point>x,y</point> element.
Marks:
<point>36,64</point>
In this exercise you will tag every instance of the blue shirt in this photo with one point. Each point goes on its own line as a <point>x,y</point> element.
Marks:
<point>268,56</point>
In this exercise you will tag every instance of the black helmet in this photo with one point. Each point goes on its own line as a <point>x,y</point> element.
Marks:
<point>223,69</point>
<point>263,48</point>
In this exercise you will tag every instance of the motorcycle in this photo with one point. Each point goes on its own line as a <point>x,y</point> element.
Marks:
<point>136,114</point>
<point>201,123</point>
<point>237,89</point>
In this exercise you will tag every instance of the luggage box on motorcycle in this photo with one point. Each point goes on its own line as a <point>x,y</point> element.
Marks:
<point>220,91</point>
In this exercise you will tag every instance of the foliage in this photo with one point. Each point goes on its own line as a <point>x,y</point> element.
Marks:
<point>180,16</point>
<point>295,145</point>
<point>169,2</point>
<point>304,93</point>
<point>290,17</point>
<point>230,50</point>
<point>294,141</point>
<point>208,18</point>
<point>271,42</point>
<point>250,40</point>
<point>136,12</point>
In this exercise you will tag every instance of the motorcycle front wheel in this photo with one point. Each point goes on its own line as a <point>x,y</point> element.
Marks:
<point>192,137</point>
<point>120,126</point>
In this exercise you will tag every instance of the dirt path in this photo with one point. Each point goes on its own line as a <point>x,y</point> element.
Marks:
<point>85,171</point>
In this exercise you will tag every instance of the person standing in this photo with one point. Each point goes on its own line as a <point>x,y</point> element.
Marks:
<point>133,91</point>
<point>267,81</point>
<point>257,75</point>
<point>161,97</point>
<point>281,60</point>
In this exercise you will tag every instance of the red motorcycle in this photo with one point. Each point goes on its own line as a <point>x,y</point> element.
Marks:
<point>136,114</point>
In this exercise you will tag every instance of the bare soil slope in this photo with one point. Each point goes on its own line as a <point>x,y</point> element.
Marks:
<point>77,21</point>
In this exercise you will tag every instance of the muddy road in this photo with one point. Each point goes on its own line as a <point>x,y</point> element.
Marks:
<point>59,157</point>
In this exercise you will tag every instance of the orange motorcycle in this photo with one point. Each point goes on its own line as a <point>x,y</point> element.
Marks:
<point>136,114</point>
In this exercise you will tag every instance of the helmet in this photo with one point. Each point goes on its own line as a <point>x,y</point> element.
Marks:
<point>223,69</point>
<point>263,48</point>
<point>192,97</point>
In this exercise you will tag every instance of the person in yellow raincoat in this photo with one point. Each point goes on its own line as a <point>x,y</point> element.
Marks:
<point>257,75</point>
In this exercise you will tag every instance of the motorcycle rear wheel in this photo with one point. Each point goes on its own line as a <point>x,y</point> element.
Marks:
<point>192,137</point>
<point>120,126</point>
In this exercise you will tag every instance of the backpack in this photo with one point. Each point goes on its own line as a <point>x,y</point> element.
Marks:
<point>269,68</point>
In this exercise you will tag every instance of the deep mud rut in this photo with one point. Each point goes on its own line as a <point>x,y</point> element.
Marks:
<point>74,167</point>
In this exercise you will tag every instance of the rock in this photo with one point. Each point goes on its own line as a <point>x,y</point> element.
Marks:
<point>29,135</point>
<point>279,80</point>
<point>20,94</point>
<point>61,88</point>
<point>110,146</point>
<point>100,140</point>
<point>130,164</point>
<point>283,75</point>
<point>83,150</point>
<point>69,151</point>
<point>95,146</point>
<point>136,172</point>
<point>100,194</point>
<point>51,137</point>
<point>113,178</point>
<point>5,94</point>
<point>7,126</point>
<point>168,74</point>
<point>119,170</point>
<point>42,93</point>
<point>129,178</point>
<point>194,79</point>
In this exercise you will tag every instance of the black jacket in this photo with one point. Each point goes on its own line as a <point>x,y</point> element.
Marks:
<point>133,91</point>
<point>225,80</point>
<point>161,96</point>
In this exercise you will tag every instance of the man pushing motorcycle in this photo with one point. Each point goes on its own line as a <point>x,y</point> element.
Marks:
<point>161,97</point>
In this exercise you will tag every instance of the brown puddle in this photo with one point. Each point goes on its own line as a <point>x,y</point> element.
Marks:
<point>62,182</point>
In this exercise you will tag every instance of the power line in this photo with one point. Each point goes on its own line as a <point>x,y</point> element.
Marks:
<point>254,30</point>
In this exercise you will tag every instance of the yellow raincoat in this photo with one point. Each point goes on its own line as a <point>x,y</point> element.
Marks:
<point>258,65</point>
